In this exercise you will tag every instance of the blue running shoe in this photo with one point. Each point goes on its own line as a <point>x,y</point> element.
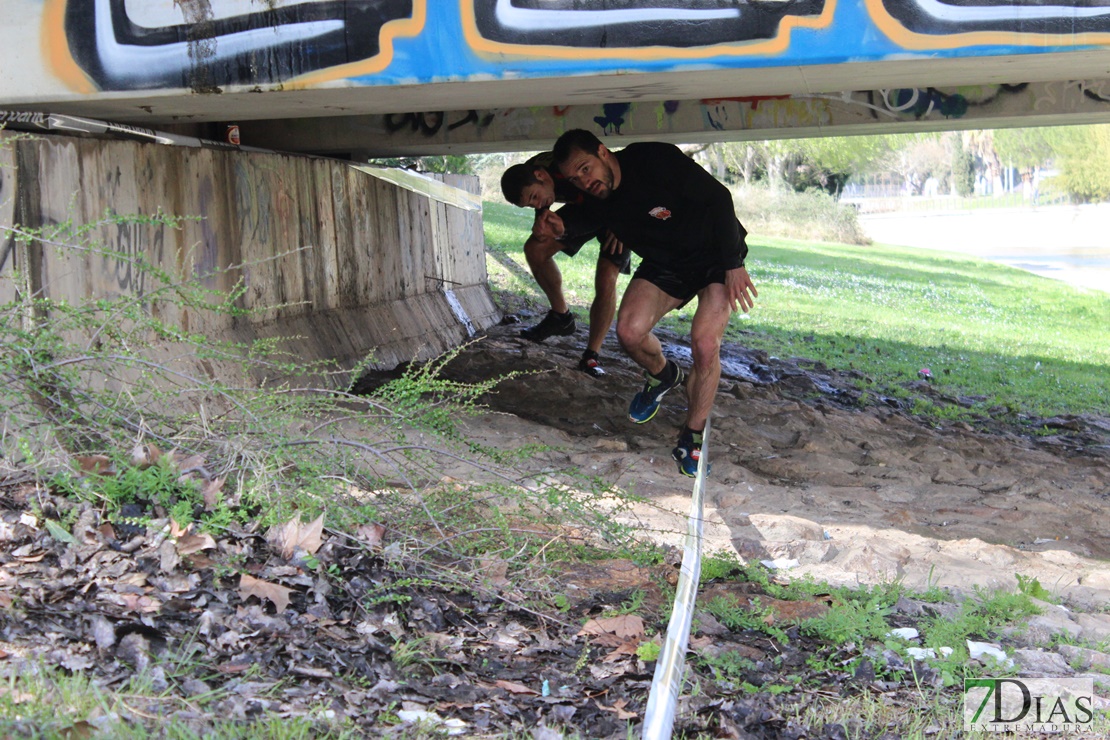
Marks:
<point>688,453</point>
<point>646,403</point>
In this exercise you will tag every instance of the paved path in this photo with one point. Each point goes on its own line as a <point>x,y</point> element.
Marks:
<point>1070,243</point>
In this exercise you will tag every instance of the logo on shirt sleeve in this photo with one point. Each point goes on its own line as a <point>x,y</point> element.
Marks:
<point>660,213</point>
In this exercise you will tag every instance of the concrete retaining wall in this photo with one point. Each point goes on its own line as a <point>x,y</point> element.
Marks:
<point>337,262</point>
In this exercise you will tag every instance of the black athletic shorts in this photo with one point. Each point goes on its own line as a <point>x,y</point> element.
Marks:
<point>579,229</point>
<point>684,284</point>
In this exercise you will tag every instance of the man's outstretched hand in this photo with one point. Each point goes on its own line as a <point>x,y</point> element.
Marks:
<point>740,289</point>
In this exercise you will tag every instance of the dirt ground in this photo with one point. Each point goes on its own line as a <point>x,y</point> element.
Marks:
<point>804,477</point>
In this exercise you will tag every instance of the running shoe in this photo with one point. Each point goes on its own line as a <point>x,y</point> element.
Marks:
<point>591,365</point>
<point>646,403</point>
<point>554,324</point>
<point>688,453</point>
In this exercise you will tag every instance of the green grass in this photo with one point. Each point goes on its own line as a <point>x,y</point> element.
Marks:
<point>1021,342</point>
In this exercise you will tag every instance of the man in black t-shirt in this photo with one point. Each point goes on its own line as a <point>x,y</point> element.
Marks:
<point>681,221</point>
<point>538,184</point>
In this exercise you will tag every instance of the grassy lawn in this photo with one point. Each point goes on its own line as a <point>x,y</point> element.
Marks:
<point>1022,343</point>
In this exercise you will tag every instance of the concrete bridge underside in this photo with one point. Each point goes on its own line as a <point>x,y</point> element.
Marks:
<point>388,77</point>
<point>696,106</point>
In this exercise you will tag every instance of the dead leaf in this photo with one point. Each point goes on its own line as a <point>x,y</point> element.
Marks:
<point>515,688</point>
<point>495,571</point>
<point>233,667</point>
<point>192,542</point>
<point>272,592</point>
<point>211,493</point>
<point>626,626</point>
<point>5,600</point>
<point>187,463</point>
<point>95,464</point>
<point>143,456</point>
<point>293,535</point>
<point>700,643</point>
<point>15,696</point>
<point>370,534</point>
<point>625,648</point>
<point>617,708</point>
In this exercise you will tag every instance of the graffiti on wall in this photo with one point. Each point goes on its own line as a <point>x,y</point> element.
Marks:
<point>758,115</point>
<point>638,24</point>
<point>204,44</point>
<point>934,24</point>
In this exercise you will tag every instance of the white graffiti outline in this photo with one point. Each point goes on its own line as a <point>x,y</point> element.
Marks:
<point>138,64</point>
<point>950,13</point>
<point>527,19</point>
<point>848,98</point>
<point>905,107</point>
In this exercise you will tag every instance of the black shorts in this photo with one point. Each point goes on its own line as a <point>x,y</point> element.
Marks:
<point>579,229</point>
<point>684,284</point>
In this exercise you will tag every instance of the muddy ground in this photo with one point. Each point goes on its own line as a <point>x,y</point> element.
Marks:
<point>802,472</point>
<point>240,629</point>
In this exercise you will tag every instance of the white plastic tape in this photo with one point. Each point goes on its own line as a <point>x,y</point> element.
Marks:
<point>667,682</point>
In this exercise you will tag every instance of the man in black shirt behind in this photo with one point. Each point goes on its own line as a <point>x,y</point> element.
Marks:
<point>538,184</point>
<point>682,223</point>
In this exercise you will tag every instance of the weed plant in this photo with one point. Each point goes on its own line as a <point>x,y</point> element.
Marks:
<point>110,403</point>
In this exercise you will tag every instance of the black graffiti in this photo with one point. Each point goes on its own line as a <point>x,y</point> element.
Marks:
<point>429,124</point>
<point>1092,95</point>
<point>613,119</point>
<point>936,18</point>
<point>207,50</point>
<point>921,102</point>
<point>134,245</point>
<point>26,118</point>
<point>635,23</point>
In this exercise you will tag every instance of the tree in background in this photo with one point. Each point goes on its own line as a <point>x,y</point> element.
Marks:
<point>1082,156</point>
<point>963,168</point>
<point>796,164</point>
<point>1025,148</point>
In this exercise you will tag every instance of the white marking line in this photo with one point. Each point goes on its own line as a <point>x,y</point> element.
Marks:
<point>667,682</point>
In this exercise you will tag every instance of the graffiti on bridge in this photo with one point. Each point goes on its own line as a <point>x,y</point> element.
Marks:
<point>131,246</point>
<point>640,24</point>
<point>429,124</point>
<point>930,23</point>
<point>202,45</point>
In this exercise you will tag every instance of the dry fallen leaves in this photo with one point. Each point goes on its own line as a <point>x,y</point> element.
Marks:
<point>276,594</point>
<point>614,631</point>
<point>293,535</point>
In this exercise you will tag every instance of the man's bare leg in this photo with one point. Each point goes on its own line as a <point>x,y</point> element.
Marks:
<point>540,254</point>
<point>559,321</point>
<point>710,320</point>
<point>604,307</point>
<point>641,308</point>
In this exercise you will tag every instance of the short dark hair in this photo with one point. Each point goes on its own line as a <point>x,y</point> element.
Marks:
<point>516,178</point>
<point>576,138</point>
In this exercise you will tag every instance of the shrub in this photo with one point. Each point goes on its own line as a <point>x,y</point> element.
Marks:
<point>813,215</point>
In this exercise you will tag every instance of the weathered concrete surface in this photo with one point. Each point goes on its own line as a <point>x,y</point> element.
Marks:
<point>335,262</point>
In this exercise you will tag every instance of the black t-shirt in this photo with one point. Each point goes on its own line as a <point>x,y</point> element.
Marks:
<point>670,211</point>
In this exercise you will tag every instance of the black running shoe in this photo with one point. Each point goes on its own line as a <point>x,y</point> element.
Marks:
<point>553,325</point>
<point>591,365</point>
